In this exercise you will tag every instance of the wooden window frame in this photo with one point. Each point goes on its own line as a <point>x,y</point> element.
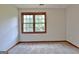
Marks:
<point>33,13</point>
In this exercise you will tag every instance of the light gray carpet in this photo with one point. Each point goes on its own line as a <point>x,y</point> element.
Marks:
<point>44,48</point>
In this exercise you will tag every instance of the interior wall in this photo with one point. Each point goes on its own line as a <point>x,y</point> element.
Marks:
<point>8,27</point>
<point>72,27</point>
<point>61,24</point>
<point>55,25</point>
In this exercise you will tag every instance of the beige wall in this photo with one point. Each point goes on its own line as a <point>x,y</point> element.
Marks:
<point>72,27</point>
<point>8,26</point>
<point>55,25</point>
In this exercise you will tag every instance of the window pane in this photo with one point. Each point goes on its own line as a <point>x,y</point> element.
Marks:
<point>39,27</point>
<point>28,27</point>
<point>28,18</point>
<point>39,18</point>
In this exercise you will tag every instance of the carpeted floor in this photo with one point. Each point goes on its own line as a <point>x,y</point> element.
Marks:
<point>44,48</point>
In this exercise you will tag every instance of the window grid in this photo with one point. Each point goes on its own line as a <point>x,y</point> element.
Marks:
<point>34,23</point>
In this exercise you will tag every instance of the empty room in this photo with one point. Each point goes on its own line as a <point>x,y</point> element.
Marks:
<point>39,29</point>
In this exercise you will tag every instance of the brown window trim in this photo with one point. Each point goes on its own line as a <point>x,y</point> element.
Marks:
<point>33,13</point>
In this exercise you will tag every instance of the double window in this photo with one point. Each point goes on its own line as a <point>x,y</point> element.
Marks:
<point>33,22</point>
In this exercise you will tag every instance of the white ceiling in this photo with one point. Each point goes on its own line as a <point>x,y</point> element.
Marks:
<point>42,6</point>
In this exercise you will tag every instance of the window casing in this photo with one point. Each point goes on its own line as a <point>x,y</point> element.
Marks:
<point>33,22</point>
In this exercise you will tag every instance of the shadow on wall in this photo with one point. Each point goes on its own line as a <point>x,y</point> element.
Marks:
<point>9,35</point>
